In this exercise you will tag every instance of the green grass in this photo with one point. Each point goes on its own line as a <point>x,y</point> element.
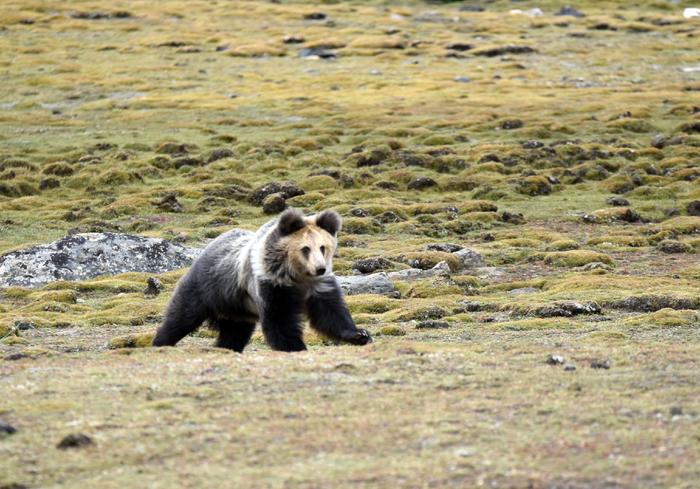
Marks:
<point>120,112</point>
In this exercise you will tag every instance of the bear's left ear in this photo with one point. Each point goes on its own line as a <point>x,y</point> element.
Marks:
<point>330,221</point>
<point>290,221</point>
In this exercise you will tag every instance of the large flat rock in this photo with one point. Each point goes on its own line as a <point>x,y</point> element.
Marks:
<point>85,256</point>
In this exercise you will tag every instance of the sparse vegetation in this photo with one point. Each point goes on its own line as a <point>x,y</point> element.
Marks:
<point>562,148</point>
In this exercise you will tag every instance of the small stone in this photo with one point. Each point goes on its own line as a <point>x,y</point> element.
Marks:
<point>571,11</point>
<point>7,429</point>
<point>49,183</point>
<point>462,79</point>
<point>511,124</point>
<point>24,325</point>
<point>601,364</point>
<point>76,440</point>
<point>169,203</point>
<point>513,218</point>
<point>371,265</point>
<point>274,204</point>
<point>459,46</point>
<point>315,16</point>
<point>676,411</point>
<point>420,183</point>
<point>219,154</point>
<point>388,217</point>
<point>153,287</point>
<point>555,360</point>
<point>444,247</point>
<point>287,189</point>
<point>523,290</point>
<point>293,39</point>
<point>693,208</point>
<point>359,212</point>
<point>617,202</point>
<point>470,258</point>
<point>316,53</point>
<point>569,367</point>
<point>659,141</point>
<point>532,144</point>
<point>432,324</point>
<point>673,246</point>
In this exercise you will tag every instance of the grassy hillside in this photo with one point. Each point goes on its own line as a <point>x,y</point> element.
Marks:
<point>565,149</point>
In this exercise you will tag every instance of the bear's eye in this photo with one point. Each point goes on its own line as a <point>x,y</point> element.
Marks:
<point>323,250</point>
<point>306,250</point>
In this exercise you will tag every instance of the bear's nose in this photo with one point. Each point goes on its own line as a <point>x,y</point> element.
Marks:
<point>320,271</point>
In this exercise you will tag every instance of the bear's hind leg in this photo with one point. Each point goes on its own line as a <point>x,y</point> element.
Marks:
<point>233,334</point>
<point>184,315</point>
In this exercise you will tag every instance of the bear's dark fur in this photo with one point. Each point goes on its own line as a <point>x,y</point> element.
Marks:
<point>274,276</point>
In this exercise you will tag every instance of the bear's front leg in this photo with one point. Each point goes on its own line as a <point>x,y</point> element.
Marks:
<point>329,315</point>
<point>280,316</point>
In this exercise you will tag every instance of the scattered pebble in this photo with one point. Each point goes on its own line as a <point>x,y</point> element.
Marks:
<point>7,429</point>
<point>315,16</point>
<point>153,287</point>
<point>676,411</point>
<point>555,360</point>
<point>420,183</point>
<point>571,11</point>
<point>569,367</point>
<point>600,364</point>
<point>617,202</point>
<point>512,124</point>
<point>693,208</point>
<point>274,203</point>
<point>462,79</point>
<point>432,324</point>
<point>371,265</point>
<point>75,440</point>
<point>169,203</point>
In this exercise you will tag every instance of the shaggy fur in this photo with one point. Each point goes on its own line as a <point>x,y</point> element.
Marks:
<point>274,276</point>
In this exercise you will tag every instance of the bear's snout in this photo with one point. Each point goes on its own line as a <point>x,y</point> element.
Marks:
<point>320,271</point>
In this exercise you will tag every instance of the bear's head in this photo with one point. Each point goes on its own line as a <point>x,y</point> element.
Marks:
<point>301,248</point>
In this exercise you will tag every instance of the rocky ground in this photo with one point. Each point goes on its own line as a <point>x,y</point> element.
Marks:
<point>545,161</point>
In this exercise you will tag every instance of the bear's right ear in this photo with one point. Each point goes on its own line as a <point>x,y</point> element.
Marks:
<point>290,222</point>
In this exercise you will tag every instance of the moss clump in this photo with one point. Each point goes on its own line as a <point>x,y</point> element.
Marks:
<point>618,184</point>
<point>666,318</point>
<point>373,304</point>
<point>14,340</point>
<point>534,185</point>
<point>682,224</point>
<point>391,330</point>
<point>141,340</point>
<point>576,258</point>
<point>438,140</point>
<point>563,245</point>
<point>623,214</point>
<point>428,259</point>
<point>360,225</point>
<point>535,324</point>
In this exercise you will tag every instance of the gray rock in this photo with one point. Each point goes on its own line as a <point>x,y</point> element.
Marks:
<point>555,360</point>
<point>432,324</point>
<point>7,429</point>
<point>409,274</point>
<point>371,265</point>
<point>470,258</point>
<point>84,256</point>
<point>523,290</point>
<point>376,283</point>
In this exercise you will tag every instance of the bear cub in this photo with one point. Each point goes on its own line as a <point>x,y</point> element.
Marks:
<point>273,276</point>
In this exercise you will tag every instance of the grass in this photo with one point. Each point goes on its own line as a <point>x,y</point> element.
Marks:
<point>102,118</point>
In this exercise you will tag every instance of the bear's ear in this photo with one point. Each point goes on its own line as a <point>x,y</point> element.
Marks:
<point>330,221</point>
<point>290,221</point>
